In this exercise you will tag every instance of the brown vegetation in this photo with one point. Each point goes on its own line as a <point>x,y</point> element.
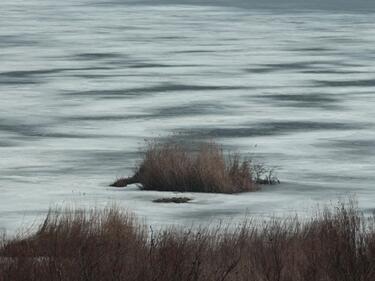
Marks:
<point>110,245</point>
<point>173,167</point>
<point>172,200</point>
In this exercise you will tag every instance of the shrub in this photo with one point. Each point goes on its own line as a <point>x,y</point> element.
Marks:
<point>173,167</point>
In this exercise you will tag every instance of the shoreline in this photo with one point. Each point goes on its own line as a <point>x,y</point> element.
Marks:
<point>334,243</point>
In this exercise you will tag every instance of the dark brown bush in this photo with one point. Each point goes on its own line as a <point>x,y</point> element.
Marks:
<point>335,245</point>
<point>173,167</point>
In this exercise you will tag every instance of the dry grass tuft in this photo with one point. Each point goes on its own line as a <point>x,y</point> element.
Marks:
<point>173,167</point>
<point>335,245</point>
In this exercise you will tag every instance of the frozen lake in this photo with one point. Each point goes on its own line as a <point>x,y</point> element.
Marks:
<point>83,83</point>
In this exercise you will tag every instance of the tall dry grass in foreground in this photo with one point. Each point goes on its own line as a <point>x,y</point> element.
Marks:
<point>109,245</point>
<point>173,167</point>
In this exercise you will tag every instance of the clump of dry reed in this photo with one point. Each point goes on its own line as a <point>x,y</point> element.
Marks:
<point>335,245</point>
<point>173,167</point>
